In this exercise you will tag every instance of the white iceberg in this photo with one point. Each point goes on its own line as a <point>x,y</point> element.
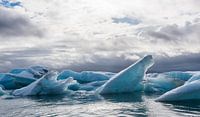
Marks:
<point>127,80</point>
<point>47,85</point>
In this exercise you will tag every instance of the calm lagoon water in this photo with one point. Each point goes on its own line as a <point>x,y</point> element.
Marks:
<point>82,104</point>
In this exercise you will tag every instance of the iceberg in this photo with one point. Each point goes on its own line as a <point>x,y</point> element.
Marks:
<point>33,71</point>
<point>86,87</point>
<point>179,75</point>
<point>188,91</point>
<point>47,85</point>
<point>193,78</point>
<point>127,80</point>
<point>85,76</point>
<point>12,81</point>
<point>161,83</point>
<point>18,78</point>
<point>2,92</point>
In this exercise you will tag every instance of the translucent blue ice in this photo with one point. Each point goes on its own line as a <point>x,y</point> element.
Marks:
<point>18,78</point>
<point>193,78</point>
<point>161,83</point>
<point>85,76</point>
<point>188,91</point>
<point>179,75</point>
<point>128,79</point>
<point>2,92</point>
<point>47,85</point>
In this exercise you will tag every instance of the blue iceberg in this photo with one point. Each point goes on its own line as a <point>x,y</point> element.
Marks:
<point>47,85</point>
<point>2,92</point>
<point>18,78</point>
<point>188,91</point>
<point>161,83</point>
<point>85,76</point>
<point>128,79</point>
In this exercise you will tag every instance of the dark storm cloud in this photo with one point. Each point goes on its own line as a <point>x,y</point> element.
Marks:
<point>175,32</point>
<point>13,24</point>
<point>185,62</point>
<point>111,64</point>
<point>21,58</point>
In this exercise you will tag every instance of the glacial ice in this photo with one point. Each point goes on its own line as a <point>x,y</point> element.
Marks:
<point>161,83</point>
<point>179,75</point>
<point>18,78</point>
<point>47,85</point>
<point>37,80</point>
<point>193,78</point>
<point>85,76</point>
<point>128,79</point>
<point>188,91</point>
<point>2,92</point>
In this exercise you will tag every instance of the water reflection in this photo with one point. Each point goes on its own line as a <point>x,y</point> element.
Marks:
<point>88,104</point>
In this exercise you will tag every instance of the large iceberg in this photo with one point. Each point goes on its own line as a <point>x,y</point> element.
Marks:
<point>188,91</point>
<point>128,79</point>
<point>47,85</point>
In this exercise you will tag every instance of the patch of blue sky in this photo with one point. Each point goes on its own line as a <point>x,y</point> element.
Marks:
<point>128,20</point>
<point>9,4</point>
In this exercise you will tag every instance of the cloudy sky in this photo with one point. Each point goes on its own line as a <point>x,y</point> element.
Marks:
<point>105,35</point>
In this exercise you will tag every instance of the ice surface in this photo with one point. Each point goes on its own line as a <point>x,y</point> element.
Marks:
<point>47,85</point>
<point>128,79</point>
<point>188,91</point>
<point>161,83</point>
<point>12,81</point>
<point>18,78</point>
<point>85,76</point>
<point>2,92</point>
<point>193,78</point>
<point>86,86</point>
<point>179,75</point>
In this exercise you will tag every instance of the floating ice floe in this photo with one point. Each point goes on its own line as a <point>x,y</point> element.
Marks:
<point>47,85</point>
<point>127,80</point>
<point>18,78</point>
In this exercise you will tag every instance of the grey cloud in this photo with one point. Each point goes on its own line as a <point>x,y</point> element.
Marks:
<point>13,24</point>
<point>185,62</point>
<point>111,64</point>
<point>175,32</point>
<point>21,58</point>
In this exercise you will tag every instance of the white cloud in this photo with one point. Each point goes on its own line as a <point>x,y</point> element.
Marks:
<point>83,31</point>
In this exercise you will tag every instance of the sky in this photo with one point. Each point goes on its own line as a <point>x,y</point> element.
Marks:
<point>100,35</point>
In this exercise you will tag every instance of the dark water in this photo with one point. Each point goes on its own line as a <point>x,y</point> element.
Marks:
<point>87,104</point>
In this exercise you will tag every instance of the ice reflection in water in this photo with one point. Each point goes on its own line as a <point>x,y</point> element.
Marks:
<point>88,104</point>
